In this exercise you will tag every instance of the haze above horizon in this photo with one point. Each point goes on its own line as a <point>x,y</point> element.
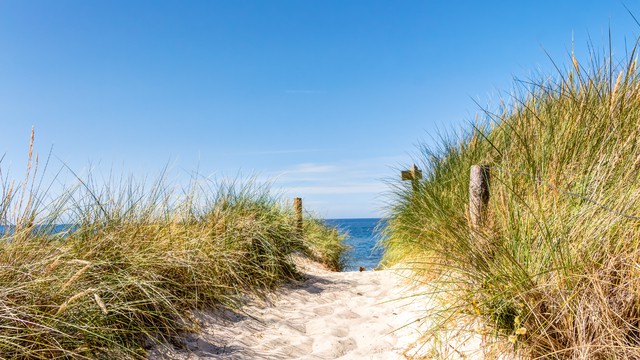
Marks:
<point>326,99</point>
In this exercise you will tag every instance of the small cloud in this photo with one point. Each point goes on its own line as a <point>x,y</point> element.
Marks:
<point>370,188</point>
<point>348,187</point>
<point>304,171</point>
<point>313,168</point>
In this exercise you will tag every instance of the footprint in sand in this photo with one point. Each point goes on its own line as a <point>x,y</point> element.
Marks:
<point>348,314</point>
<point>323,310</point>
<point>341,332</point>
<point>336,349</point>
<point>300,328</point>
<point>275,344</point>
<point>293,352</point>
<point>354,317</point>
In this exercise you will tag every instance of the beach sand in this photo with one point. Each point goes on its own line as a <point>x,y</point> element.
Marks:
<point>330,315</point>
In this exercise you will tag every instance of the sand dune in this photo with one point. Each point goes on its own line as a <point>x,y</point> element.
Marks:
<point>348,315</point>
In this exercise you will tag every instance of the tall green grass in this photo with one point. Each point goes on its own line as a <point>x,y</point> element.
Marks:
<point>556,270</point>
<point>138,262</point>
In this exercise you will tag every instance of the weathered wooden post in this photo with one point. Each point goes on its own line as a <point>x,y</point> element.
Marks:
<point>478,195</point>
<point>414,174</point>
<point>297,207</point>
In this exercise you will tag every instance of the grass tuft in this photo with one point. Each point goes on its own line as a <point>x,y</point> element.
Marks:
<point>555,271</point>
<point>133,263</point>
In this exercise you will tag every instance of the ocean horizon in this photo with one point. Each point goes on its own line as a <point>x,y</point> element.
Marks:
<point>362,239</point>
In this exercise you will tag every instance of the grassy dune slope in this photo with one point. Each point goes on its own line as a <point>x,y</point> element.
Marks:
<point>556,270</point>
<point>138,263</point>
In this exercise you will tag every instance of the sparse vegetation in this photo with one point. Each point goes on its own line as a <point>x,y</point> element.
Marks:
<point>324,244</point>
<point>135,263</point>
<point>556,270</point>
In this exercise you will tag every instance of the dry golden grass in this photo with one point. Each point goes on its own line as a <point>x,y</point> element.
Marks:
<point>134,263</point>
<point>560,277</point>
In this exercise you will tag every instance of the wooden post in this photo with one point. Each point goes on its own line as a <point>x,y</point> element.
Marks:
<point>297,207</point>
<point>478,195</point>
<point>414,175</point>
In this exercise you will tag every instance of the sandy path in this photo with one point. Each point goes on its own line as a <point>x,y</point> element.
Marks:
<point>349,315</point>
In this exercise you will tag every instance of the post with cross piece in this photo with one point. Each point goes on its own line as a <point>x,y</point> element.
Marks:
<point>414,174</point>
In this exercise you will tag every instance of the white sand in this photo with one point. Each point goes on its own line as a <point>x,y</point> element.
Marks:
<point>331,315</point>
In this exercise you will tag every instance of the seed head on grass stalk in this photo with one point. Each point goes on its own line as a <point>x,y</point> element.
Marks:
<point>137,262</point>
<point>563,215</point>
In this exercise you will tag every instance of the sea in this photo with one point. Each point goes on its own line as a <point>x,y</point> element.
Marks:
<point>362,238</point>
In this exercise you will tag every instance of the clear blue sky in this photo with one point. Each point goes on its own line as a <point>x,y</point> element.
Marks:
<point>326,98</point>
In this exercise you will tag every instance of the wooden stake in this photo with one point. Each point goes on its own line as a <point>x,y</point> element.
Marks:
<point>297,207</point>
<point>478,195</point>
<point>414,175</point>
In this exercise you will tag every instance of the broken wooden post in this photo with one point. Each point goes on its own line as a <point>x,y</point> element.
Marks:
<point>414,174</point>
<point>297,207</point>
<point>478,195</point>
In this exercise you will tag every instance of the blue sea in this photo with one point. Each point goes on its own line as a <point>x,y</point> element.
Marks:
<point>362,239</point>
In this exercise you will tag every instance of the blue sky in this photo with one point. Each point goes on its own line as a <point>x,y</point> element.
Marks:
<point>327,99</point>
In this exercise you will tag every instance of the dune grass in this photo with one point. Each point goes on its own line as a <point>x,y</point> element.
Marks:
<point>137,262</point>
<point>324,244</point>
<point>556,269</point>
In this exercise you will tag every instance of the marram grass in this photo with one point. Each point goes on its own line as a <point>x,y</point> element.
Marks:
<point>138,263</point>
<point>556,270</point>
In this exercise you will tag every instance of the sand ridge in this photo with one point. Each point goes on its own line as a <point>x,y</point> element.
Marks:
<point>330,315</point>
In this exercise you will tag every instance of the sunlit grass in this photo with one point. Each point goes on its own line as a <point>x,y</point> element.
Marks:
<point>556,269</point>
<point>138,262</point>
